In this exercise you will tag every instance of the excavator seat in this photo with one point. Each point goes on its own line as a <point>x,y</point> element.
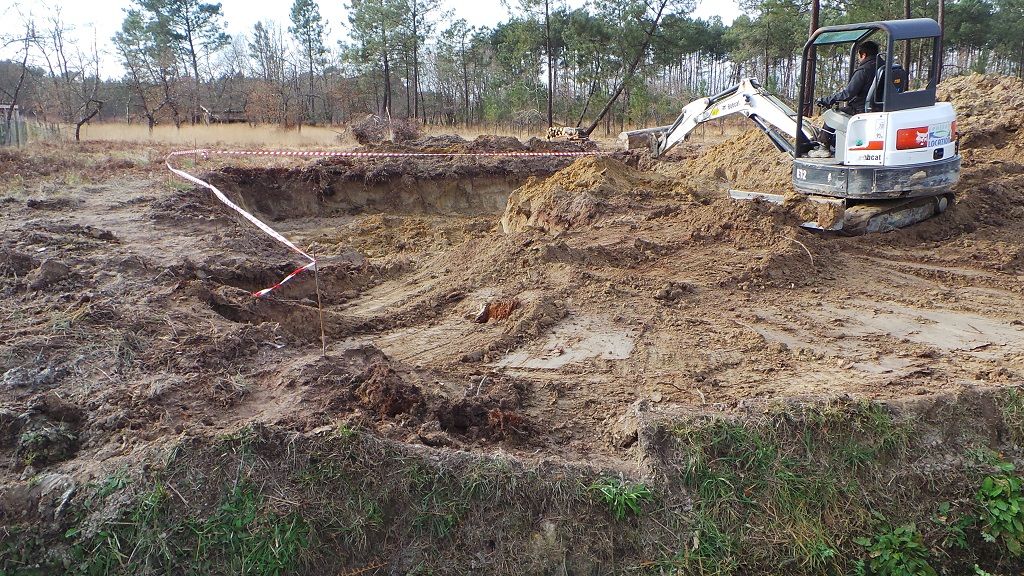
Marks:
<point>834,124</point>
<point>898,79</point>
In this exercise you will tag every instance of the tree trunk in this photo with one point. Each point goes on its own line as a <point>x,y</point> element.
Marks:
<point>416,63</point>
<point>547,50</point>
<point>586,103</point>
<point>906,44</point>
<point>631,70</point>
<point>310,101</point>
<point>17,89</point>
<point>465,85</point>
<point>809,65</point>
<point>195,73</point>
<point>386,103</point>
<point>408,86</point>
<point>89,116</point>
<point>1020,61</point>
<point>942,34</point>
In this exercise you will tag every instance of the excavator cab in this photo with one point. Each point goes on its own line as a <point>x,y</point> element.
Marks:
<point>904,143</point>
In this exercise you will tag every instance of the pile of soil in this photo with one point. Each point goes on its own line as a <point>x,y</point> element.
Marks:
<point>990,111</point>
<point>573,196</point>
<point>603,189</point>
<point>749,162</point>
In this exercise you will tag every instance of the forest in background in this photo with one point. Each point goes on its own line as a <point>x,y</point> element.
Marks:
<point>608,65</point>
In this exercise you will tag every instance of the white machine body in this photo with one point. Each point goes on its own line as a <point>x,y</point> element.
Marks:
<point>901,138</point>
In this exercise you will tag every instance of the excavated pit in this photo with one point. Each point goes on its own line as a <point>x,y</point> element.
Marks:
<point>435,186</point>
<point>286,196</point>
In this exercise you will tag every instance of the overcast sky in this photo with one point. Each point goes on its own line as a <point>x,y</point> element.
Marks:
<point>102,18</point>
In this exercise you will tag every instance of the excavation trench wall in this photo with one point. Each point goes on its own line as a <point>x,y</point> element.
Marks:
<point>431,187</point>
<point>290,197</point>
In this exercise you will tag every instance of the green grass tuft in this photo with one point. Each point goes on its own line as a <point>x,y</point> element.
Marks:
<point>621,497</point>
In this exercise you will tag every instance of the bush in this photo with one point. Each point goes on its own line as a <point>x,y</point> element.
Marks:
<point>373,130</point>
<point>897,552</point>
<point>1002,501</point>
<point>370,130</point>
<point>404,129</point>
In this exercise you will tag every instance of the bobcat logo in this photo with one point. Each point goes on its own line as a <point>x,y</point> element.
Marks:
<point>922,138</point>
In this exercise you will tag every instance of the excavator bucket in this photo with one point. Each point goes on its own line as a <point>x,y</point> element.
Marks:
<point>839,203</point>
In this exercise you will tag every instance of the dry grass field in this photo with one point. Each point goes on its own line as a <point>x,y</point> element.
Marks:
<point>269,136</point>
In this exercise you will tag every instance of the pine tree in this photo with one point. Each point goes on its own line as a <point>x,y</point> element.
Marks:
<point>309,31</point>
<point>193,29</point>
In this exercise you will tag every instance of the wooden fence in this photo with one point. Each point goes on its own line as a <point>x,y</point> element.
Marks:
<point>17,133</point>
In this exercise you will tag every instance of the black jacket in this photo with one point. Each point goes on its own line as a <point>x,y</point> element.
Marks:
<point>856,92</point>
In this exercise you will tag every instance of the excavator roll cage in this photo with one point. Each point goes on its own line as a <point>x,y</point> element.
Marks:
<point>889,91</point>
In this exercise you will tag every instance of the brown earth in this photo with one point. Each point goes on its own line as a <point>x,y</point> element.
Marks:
<point>608,294</point>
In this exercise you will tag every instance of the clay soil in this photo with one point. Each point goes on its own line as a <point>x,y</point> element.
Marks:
<point>543,307</point>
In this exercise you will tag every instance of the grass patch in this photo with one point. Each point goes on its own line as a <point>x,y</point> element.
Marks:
<point>784,483</point>
<point>243,537</point>
<point>1012,407</point>
<point>798,490</point>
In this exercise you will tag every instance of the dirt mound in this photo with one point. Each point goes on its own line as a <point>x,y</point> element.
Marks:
<point>492,143</point>
<point>990,196</point>
<point>990,109</point>
<point>573,196</point>
<point>748,162</point>
<point>542,145</point>
<point>385,392</point>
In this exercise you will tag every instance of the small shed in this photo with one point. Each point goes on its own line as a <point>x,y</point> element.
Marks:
<point>15,133</point>
<point>223,117</point>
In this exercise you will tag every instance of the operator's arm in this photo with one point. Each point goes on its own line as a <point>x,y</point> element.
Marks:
<point>859,83</point>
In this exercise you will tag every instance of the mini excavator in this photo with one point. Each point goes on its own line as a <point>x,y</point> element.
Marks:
<point>892,166</point>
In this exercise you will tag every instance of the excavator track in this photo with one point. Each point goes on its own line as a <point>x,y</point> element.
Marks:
<point>871,217</point>
<point>864,217</point>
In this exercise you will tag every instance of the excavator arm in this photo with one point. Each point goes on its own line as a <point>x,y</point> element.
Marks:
<point>748,98</point>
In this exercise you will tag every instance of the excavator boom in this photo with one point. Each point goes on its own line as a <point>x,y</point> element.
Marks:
<point>748,98</point>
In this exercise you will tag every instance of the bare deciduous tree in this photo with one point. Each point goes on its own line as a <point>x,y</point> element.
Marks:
<point>74,74</point>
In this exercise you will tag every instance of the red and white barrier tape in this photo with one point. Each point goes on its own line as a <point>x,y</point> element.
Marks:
<point>322,154</point>
<point>327,154</point>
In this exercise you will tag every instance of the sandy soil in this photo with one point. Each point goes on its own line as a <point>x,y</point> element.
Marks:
<point>534,306</point>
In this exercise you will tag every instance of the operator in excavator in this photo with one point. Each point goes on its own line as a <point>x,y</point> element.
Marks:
<point>855,95</point>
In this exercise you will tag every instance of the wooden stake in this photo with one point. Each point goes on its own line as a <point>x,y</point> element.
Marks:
<point>319,304</point>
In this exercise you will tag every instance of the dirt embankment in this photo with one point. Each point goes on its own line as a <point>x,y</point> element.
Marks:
<point>990,112</point>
